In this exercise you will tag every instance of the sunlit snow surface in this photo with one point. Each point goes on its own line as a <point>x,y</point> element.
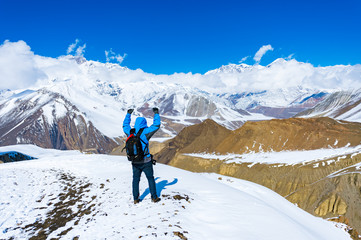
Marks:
<point>284,157</point>
<point>206,207</point>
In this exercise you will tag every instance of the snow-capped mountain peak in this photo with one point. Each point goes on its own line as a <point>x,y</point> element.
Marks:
<point>231,69</point>
<point>278,62</point>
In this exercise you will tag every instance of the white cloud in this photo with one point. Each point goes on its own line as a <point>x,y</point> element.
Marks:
<point>244,59</point>
<point>119,58</point>
<point>111,55</point>
<point>262,51</point>
<point>291,74</point>
<point>21,68</point>
<point>290,56</point>
<point>80,50</point>
<point>18,68</point>
<point>107,58</point>
<point>74,48</point>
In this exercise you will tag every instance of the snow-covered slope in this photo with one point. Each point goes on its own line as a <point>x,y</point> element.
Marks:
<point>48,119</point>
<point>342,105</point>
<point>67,194</point>
<point>234,68</point>
<point>284,88</point>
<point>103,92</point>
<point>277,103</point>
<point>284,157</point>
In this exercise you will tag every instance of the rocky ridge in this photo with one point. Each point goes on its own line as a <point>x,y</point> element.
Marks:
<point>291,134</point>
<point>344,105</point>
<point>48,120</point>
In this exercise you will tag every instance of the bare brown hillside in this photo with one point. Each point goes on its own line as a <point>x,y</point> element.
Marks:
<point>307,185</point>
<point>203,137</point>
<point>272,135</point>
<point>291,134</point>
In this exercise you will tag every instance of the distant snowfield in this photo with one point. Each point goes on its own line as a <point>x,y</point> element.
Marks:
<point>66,194</point>
<point>284,157</point>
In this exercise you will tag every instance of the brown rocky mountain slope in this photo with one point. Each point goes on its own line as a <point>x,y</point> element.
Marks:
<point>312,185</point>
<point>35,120</point>
<point>291,134</point>
<point>271,135</point>
<point>203,137</point>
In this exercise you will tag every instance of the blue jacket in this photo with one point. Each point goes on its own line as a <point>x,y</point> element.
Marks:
<point>147,133</point>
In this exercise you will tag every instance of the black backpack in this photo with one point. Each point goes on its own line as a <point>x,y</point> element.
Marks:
<point>133,146</point>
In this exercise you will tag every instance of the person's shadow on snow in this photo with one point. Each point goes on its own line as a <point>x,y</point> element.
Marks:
<point>160,186</point>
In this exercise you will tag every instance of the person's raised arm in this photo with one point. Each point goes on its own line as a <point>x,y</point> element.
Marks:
<point>126,122</point>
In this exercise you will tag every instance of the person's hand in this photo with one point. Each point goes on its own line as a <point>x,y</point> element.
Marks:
<point>156,110</point>
<point>130,111</point>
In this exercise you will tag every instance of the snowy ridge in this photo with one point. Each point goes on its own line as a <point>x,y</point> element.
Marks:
<point>91,194</point>
<point>105,104</point>
<point>283,157</point>
<point>48,119</point>
<point>342,105</point>
<point>233,68</point>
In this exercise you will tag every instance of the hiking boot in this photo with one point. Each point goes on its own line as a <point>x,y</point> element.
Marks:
<point>155,199</point>
<point>136,201</point>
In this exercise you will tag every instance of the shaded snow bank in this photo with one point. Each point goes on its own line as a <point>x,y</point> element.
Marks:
<point>38,152</point>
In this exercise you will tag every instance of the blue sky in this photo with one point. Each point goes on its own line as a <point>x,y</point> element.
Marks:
<point>170,36</point>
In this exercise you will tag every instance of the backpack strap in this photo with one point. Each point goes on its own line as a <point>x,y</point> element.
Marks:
<point>140,132</point>
<point>131,135</point>
<point>146,145</point>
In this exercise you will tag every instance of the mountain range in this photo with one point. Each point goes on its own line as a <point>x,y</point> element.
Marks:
<point>80,104</point>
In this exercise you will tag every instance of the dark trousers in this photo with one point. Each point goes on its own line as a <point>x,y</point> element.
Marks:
<point>147,168</point>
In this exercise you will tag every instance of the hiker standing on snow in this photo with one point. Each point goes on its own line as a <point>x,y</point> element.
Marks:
<point>145,162</point>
